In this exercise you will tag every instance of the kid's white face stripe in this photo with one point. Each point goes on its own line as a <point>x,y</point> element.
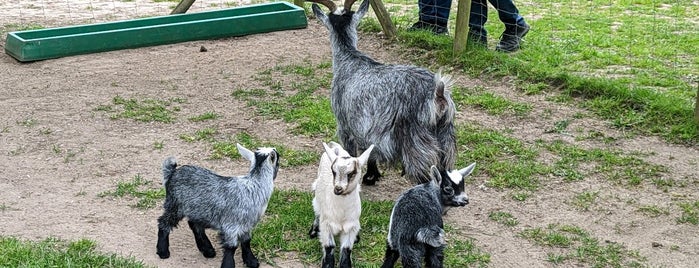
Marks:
<point>455,176</point>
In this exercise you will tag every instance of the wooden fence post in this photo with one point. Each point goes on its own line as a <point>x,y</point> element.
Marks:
<point>463,12</point>
<point>384,18</point>
<point>182,7</point>
<point>696,105</point>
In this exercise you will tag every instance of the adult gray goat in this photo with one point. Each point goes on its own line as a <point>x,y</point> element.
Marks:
<point>406,111</point>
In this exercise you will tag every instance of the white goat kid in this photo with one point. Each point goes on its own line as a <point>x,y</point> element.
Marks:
<point>336,201</point>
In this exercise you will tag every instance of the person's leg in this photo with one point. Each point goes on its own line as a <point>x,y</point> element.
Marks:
<point>434,15</point>
<point>476,22</point>
<point>515,26</point>
<point>509,14</point>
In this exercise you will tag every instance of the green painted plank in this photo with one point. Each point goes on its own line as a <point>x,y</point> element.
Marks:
<point>42,44</point>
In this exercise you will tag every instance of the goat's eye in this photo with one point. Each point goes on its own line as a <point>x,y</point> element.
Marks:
<point>351,174</point>
<point>448,190</point>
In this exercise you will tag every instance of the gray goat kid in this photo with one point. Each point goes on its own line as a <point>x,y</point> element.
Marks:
<point>416,229</point>
<point>231,205</point>
<point>406,111</point>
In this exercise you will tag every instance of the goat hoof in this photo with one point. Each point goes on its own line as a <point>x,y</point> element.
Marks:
<point>254,263</point>
<point>164,255</point>
<point>369,182</point>
<point>209,253</point>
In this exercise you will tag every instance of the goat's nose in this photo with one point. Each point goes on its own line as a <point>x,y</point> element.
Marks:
<point>338,190</point>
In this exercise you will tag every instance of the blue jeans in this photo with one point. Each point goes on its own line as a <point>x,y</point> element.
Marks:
<point>434,11</point>
<point>507,12</point>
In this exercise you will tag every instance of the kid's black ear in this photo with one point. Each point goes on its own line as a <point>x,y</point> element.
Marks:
<point>436,177</point>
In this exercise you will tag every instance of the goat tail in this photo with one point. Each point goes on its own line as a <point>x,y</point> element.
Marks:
<point>169,166</point>
<point>433,236</point>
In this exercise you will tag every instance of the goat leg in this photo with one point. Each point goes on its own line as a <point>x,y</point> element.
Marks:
<point>434,257</point>
<point>315,228</point>
<point>390,258</point>
<point>372,173</point>
<point>248,258</point>
<point>329,257</point>
<point>163,247</point>
<point>228,253</point>
<point>345,258</point>
<point>203,242</point>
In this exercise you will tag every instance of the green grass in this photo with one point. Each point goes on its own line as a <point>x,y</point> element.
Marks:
<point>631,63</point>
<point>584,200</point>
<point>204,117</point>
<point>504,218</point>
<point>653,211</point>
<point>53,252</point>
<point>479,98</point>
<point>690,212</point>
<point>146,110</point>
<point>574,244</point>
<point>289,217</point>
<point>291,95</point>
<point>139,189</point>
<point>508,162</point>
<point>224,146</point>
<point>613,165</point>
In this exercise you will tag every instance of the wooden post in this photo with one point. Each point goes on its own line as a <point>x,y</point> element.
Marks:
<point>696,105</point>
<point>463,12</point>
<point>299,3</point>
<point>384,18</point>
<point>182,7</point>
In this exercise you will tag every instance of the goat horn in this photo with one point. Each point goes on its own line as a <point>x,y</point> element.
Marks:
<point>348,4</point>
<point>327,3</point>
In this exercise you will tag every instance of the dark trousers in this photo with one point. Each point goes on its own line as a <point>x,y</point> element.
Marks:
<point>434,11</point>
<point>507,12</point>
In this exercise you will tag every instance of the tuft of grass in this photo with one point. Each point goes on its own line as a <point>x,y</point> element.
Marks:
<point>147,110</point>
<point>504,218</point>
<point>289,216</point>
<point>575,244</point>
<point>139,189</point>
<point>584,200</point>
<point>690,213</point>
<point>653,211</point>
<point>53,252</point>
<point>496,105</point>
<point>204,117</point>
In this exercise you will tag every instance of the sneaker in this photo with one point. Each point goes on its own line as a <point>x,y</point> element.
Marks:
<point>425,26</point>
<point>510,41</point>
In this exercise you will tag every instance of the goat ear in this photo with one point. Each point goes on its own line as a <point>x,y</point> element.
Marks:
<point>319,14</point>
<point>467,170</point>
<point>365,156</point>
<point>361,11</point>
<point>332,154</point>
<point>245,153</point>
<point>436,177</point>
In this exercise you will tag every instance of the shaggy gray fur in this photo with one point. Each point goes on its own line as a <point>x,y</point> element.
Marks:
<point>231,205</point>
<point>416,227</point>
<point>406,111</point>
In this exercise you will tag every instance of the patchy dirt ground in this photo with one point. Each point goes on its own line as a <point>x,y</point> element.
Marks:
<point>57,153</point>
